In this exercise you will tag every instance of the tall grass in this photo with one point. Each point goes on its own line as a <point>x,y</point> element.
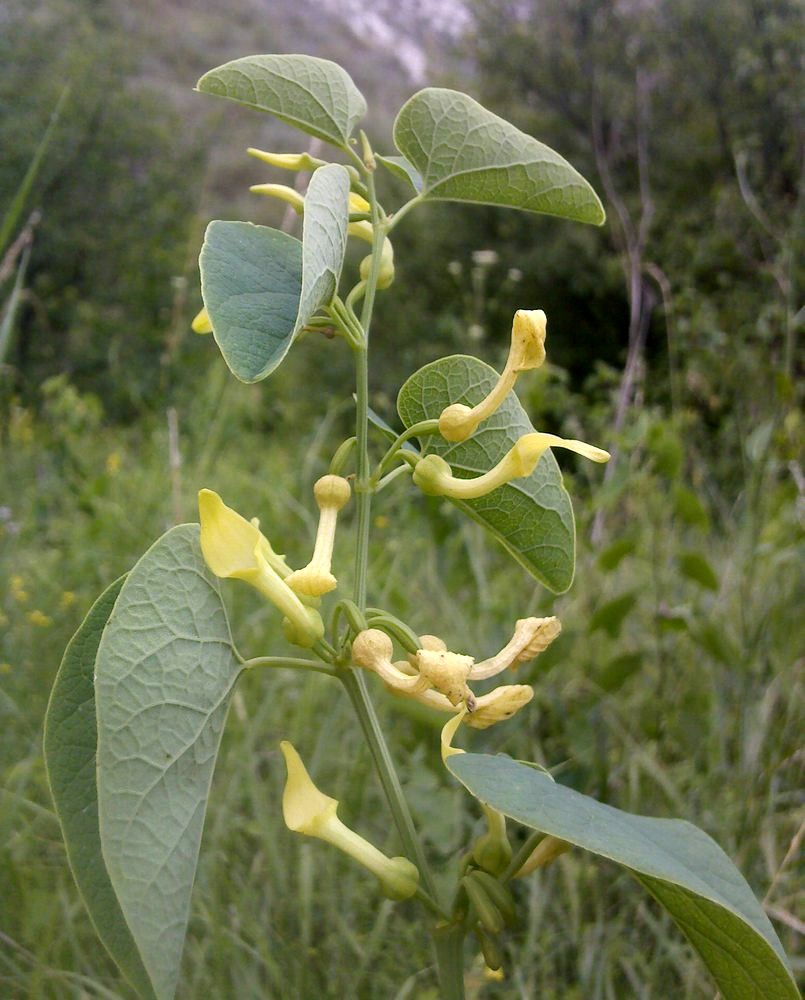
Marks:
<point>668,694</point>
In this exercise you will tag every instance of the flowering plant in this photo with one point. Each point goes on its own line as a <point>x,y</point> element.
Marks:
<point>140,701</point>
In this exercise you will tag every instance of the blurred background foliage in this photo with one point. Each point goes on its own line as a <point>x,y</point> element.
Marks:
<point>676,687</point>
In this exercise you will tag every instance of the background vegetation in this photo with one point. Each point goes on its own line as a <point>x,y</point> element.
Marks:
<point>675,689</point>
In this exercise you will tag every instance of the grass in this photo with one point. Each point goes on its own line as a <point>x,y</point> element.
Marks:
<point>664,696</point>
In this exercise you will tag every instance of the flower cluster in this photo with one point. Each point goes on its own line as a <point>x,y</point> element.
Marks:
<point>458,422</point>
<point>439,678</point>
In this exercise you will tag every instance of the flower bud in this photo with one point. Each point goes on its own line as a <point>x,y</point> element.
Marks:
<point>316,579</point>
<point>201,322</point>
<point>287,161</point>
<point>284,193</point>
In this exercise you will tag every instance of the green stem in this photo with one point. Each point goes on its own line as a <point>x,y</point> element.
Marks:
<point>448,942</point>
<point>355,684</point>
<point>420,429</point>
<point>522,855</point>
<point>353,680</point>
<point>288,661</point>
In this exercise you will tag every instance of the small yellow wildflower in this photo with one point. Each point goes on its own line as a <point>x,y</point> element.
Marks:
<point>113,463</point>
<point>39,618</point>
<point>309,811</point>
<point>18,591</point>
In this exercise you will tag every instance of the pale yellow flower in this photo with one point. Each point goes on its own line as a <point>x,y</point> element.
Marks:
<point>433,475</point>
<point>234,548</point>
<point>308,811</point>
<point>457,422</point>
<point>316,579</point>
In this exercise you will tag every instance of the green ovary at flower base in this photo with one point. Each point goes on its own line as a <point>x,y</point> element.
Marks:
<point>308,811</point>
<point>235,548</point>
<point>457,422</point>
<point>434,476</point>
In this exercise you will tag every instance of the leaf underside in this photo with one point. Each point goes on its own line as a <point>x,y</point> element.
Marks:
<point>261,286</point>
<point>683,868</point>
<point>312,94</point>
<point>531,517</point>
<point>165,670</point>
<point>71,739</point>
<point>466,153</point>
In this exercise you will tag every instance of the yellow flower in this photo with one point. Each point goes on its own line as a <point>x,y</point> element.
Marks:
<point>309,811</point>
<point>457,422</point>
<point>113,463</point>
<point>39,619</point>
<point>315,579</point>
<point>499,704</point>
<point>5,668</point>
<point>67,600</point>
<point>438,678</point>
<point>531,637</point>
<point>234,548</point>
<point>284,193</point>
<point>287,161</point>
<point>434,476</point>
<point>546,851</point>
<point>201,322</point>
<point>18,591</point>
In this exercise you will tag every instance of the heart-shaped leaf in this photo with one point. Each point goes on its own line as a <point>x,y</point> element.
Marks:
<point>314,95</point>
<point>261,286</point>
<point>466,153</point>
<point>531,517</point>
<point>164,675</point>
<point>71,740</point>
<point>683,869</point>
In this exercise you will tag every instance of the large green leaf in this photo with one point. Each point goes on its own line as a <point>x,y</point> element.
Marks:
<point>466,153</point>
<point>71,739</point>
<point>261,286</point>
<point>251,281</point>
<point>324,239</point>
<point>314,95</point>
<point>531,517</point>
<point>163,679</point>
<point>683,868</point>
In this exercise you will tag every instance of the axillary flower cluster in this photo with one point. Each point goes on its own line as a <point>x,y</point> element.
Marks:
<point>438,678</point>
<point>458,422</point>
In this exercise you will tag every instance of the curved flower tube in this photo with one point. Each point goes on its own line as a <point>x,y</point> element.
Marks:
<point>531,637</point>
<point>433,475</point>
<point>309,811</point>
<point>316,579</point>
<point>457,422</point>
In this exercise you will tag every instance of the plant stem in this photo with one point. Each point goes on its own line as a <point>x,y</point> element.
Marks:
<point>288,661</point>
<point>448,942</point>
<point>353,680</point>
<point>522,855</point>
<point>355,684</point>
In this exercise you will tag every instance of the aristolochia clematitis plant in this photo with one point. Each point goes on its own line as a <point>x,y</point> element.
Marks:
<point>140,701</point>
